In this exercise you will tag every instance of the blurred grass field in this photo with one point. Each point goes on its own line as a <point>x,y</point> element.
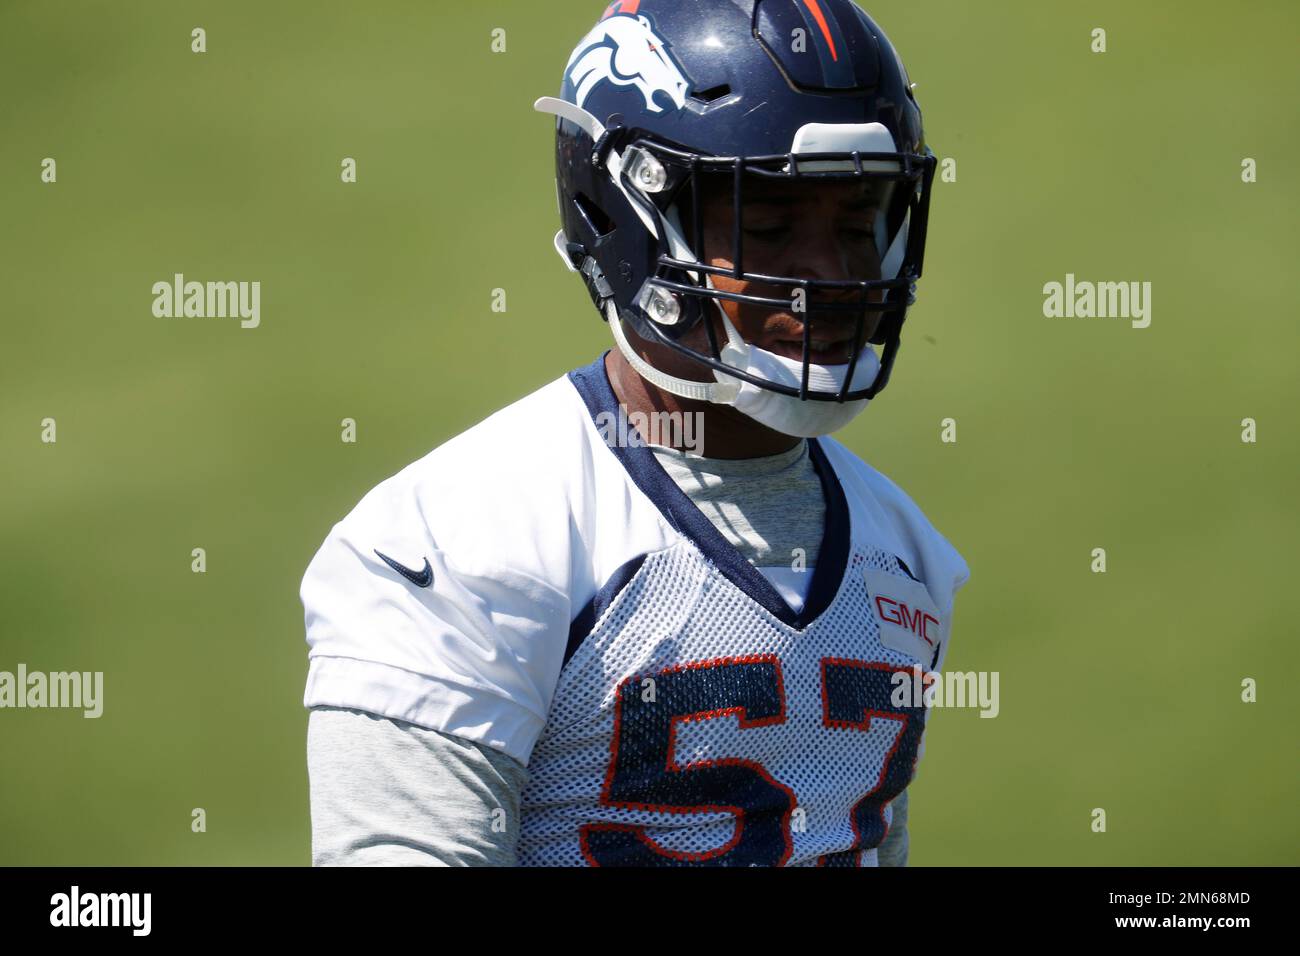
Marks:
<point>1118,691</point>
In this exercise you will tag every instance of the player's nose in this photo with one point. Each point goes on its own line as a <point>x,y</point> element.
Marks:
<point>826,252</point>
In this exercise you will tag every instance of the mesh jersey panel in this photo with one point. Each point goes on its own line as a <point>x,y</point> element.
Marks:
<point>805,781</point>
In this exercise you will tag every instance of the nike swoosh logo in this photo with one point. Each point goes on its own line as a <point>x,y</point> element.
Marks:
<point>907,570</point>
<point>421,579</point>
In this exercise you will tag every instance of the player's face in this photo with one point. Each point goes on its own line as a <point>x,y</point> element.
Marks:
<point>814,230</point>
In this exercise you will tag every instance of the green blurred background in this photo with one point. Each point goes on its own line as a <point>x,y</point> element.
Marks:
<point>1118,691</point>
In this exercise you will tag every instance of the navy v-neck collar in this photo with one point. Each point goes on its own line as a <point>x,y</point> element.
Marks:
<point>645,471</point>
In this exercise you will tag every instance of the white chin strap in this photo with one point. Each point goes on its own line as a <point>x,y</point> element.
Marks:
<point>720,393</point>
<point>745,357</point>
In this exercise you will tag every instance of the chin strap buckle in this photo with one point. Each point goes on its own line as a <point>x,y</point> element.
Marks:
<point>597,285</point>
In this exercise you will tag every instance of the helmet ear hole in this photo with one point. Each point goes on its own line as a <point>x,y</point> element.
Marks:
<point>600,224</point>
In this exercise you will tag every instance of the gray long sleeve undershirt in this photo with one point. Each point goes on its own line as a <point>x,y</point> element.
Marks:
<point>388,793</point>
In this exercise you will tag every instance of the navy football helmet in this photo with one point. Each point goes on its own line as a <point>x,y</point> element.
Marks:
<point>666,99</point>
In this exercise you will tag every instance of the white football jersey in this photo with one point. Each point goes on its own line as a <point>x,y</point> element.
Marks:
<point>536,588</point>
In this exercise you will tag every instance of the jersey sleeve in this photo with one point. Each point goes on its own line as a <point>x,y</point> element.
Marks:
<point>522,519</point>
<point>475,653</point>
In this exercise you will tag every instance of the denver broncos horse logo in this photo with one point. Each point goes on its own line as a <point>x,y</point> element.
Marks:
<point>625,49</point>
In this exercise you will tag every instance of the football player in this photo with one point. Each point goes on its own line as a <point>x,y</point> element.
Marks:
<point>569,637</point>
